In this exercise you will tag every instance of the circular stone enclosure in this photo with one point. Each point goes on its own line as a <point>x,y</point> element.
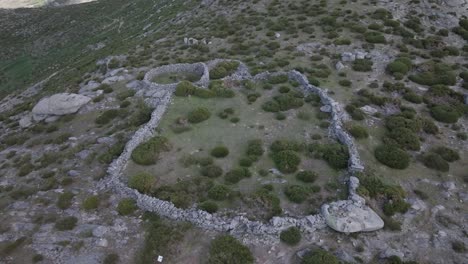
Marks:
<point>171,75</point>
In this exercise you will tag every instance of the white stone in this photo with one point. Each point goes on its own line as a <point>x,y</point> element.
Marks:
<point>348,56</point>
<point>103,242</point>
<point>26,121</point>
<point>339,66</point>
<point>58,104</point>
<point>348,217</point>
<point>277,35</point>
<point>369,110</point>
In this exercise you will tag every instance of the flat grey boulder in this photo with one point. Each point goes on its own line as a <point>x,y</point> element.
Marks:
<point>349,217</point>
<point>58,105</point>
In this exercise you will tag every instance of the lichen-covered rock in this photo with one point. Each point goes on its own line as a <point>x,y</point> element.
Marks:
<point>349,217</point>
<point>58,104</point>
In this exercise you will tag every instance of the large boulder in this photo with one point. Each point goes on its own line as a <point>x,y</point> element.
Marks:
<point>349,217</point>
<point>58,105</point>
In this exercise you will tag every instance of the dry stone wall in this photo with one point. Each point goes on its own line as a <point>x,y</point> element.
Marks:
<point>239,225</point>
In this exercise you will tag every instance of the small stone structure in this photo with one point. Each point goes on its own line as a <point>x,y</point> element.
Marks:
<point>199,69</point>
<point>345,216</point>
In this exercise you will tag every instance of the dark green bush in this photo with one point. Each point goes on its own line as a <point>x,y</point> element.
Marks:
<point>143,182</point>
<point>434,73</point>
<point>208,206</point>
<point>198,115</point>
<point>90,203</point>
<point>445,113</point>
<point>283,144</point>
<point>345,83</point>
<point>66,223</point>
<point>286,161</point>
<point>291,236</point>
<point>319,256</point>
<point>107,116</point>
<point>65,200</point>
<point>436,162</point>
<point>126,206</point>
<point>374,37</point>
<point>458,246</point>
<point>283,102</point>
<point>277,79</point>
<point>235,175</point>
<point>306,176</point>
<point>392,156</point>
<point>362,65</point>
<point>223,69</point>
<point>225,249</point>
<point>211,171</point>
<point>219,152</point>
<point>446,153</point>
<point>358,131</point>
<point>255,148</point>
<point>111,258</point>
<point>336,155</point>
<point>404,138</point>
<point>219,192</point>
<point>395,206</point>
<point>148,152</point>
<point>185,88</point>
<point>296,193</point>
<point>400,65</point>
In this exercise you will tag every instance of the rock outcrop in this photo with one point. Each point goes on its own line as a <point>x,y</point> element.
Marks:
<point>349,217</point>
<point>58,105</point>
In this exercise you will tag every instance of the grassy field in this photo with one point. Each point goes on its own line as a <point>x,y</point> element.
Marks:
<point>254,123</point>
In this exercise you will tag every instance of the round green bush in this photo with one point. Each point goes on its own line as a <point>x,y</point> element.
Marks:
<point>345,83</point>
<point>358,131</point>
<point>218,72</point>
<point>445,114</point>
<point>111,258</point>
<point>436,162</point>
<point>126,206</point>
<point>185,88</point>
<point>91,203</point>
<point>306,176</point>
<point>255,148</point>
<point>336,155</point>
<point>286,161</point>
<point>66,223</point>
<point>211,171</point>
<point>392,156</point>
<point>446,153</point>
<point>142,182</point>
<point>237,174</point>
<point>291,236</point>
<point>296,193</point>
<point>220,152</point>
<point>198,115</point>
<point>284,89</point>
<point>209,206</point>
<point>219,192</point>
<point>225,249</point>
<point>319,256</point>
<point>280,116</point>
<point>148,152</point>
<point>245,162</point>
<point>397,67</point>
<point>405,138</point>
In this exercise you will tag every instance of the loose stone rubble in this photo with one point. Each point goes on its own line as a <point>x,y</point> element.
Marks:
<point>344,216</point>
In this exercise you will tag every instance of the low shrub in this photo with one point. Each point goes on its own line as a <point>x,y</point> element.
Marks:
<point>227,250</point>
<point>126,206</point>
<point>392,156</point>
<point>223,69</point>
<point>429,126</point>
<point>148,152</point>
<point>237,174</point>
<point>277,79</point>
<point>66,223</point>
<point>345,83</point>
<point>445,113</point>
<point>336,155</point>
<point>111,258</point>
<point>395,206</point>
<point>458,246</point>
<point>283,144</point>
<point>436,162</point>
<point>374,37</point>
<point>401,65</point>
<point>91,203</point>
<point>306,176</point>
<point>358,131</point>
<point>142,182</point>
<point>198,115</point>
<point>291,236</point>
<point>446,153</point>
<point>219,192</point>
<point>286,161</point>
<point>211,171</point>
<point>319,256</point>
<point>65,200</point>
<point>185,88</point>
<point>296,193</point>
<point>107,116</point>
<point>255,148</point>
<point>219,152</point>
<point>362,65</point>
<point>208,206</point>
<point>404,138</point>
